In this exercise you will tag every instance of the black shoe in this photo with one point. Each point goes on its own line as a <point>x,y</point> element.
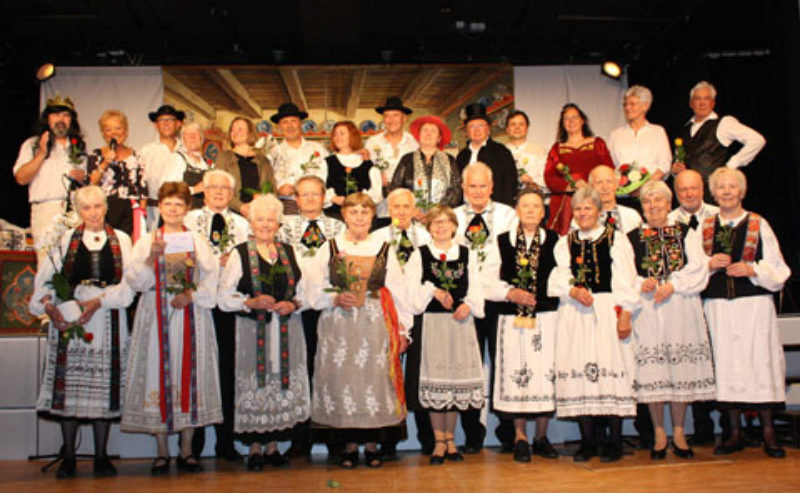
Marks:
<point>372,458</point>
<point>728,448</point>
<point>507,448</point>
<point>427,449</point>
<point>472,449</point>
<point>255,462</point>
<point>584,453</point>
<point>453,456</point>
<point>276,459</point>
<point>542,447</point>
<point>66,470</point>
<point>436,460</point>
<point>231,455</point>
<point>700,440</point>
<point>103,468</point>
<point>160,466</point>
<point>658,454</point>
<point>611,453</point>
<point>299,453</point>
<point>189,464</point>
<point>349,460</point>
<point>682,453</point>
<point>774,452</point>
<point>522,451</point>
<point>389,452</point>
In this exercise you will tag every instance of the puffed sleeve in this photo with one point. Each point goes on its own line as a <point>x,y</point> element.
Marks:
<point>475,291</point>
<point>419,293</point>
<point>558,285</point>
<point>375,191</point>
<point>228,298</point>
<point>120,295</point>
<point>139,275</point>
<point>623,273</point>
<point>50,265</point>
<point>693,277</point>
<point>206,274</point>
<point>771,271</point>
<point>396,283</point>
<point>602,152</point>
<point>552,178</point>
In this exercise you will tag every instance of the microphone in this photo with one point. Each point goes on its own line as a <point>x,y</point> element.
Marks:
<point>112,144</point>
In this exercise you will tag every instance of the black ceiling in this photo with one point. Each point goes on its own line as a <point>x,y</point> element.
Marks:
<point>153,32</point>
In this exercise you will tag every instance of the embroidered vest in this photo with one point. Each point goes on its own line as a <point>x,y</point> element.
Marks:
<point>596,257</point>
<point>280,283</point>
<point>508,271</point>
<point>462,283</point>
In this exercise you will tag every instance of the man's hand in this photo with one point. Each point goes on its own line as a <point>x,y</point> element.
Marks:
<point>678,167</point>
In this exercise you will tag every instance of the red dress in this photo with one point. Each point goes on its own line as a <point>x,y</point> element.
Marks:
<point>581,161</point>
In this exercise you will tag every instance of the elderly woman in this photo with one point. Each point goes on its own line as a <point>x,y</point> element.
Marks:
<point>358,380</point>
<point>673,353</point>
<point>746,267</point>
<point>172,381</point>
<point>263,284</point>
<point>251,169</point>
<point>348,171</point>
<point>521,262</point>
<point>430,173</point>
<point>640,141</point>
<point>85,364</point>
<point>444,368</point>
<point>192,165</point>
<point>575,153</point>
<point>116,168</point>
<point>594,358</point>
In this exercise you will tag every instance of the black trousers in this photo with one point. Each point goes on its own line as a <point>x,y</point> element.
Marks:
<point>301,433</point>
<point>704,425</point>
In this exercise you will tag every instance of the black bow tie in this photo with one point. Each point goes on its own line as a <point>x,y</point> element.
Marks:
<point>693,222</point>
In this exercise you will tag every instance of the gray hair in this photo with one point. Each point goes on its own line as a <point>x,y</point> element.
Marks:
<point>718,173</point>
<point>599,169</point>
<point>476,167</point>
<point>397,192</point>
<point>312,178</point>
<point>191,126</point>
<point>84,194</point>
<point>263,204</point>
<point>655,187</point>
<point>703,85</point>
<point>642,93</point>
<point>587,193</point>
<point>208,175</point>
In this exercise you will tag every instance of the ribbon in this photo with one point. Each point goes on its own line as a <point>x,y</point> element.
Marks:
<point>395,367</point>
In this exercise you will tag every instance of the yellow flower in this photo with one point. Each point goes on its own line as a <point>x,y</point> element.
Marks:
<point>189,262</point>
<point>679,141</point>
<point>523,261</point>
<point>395,222</point>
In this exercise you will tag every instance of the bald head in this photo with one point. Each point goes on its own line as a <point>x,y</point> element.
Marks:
<point>689,190</point>
<point>604,180</point>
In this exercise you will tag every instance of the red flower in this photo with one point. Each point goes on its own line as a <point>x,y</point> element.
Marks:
<point>611,220</point>
<point>316,153</point>
<point>291,282</point>
<point>643,170</point>
<point>73,141</point>
<point>578,260</point>
<point>618,309</point>
<point>260,367</point>
<point>261,343</point>
<point>88,337</point>
<point>419,182</point>
<point>625,168</point>
<point>306,234</point>
<point>348,170</point>
<point>442,257</point>
<point>474,229</point>
<point>284,355</point>
<point>285,380</point>
<point>623,180</point>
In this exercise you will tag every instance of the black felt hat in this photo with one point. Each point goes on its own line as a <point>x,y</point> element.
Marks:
<point>475,111</point>
<point>393,103</point>
<point>288,109</point>
<point>166,109</point>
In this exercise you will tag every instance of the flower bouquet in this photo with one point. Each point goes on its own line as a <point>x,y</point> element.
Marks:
<point>523,280</point>
<point>631,178</point>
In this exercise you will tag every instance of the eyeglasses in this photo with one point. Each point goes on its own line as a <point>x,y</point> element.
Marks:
<point>162,119</point>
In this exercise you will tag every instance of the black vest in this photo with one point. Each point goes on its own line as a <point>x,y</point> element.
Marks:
<point>704,152</point>
<point>460,291</point>
<point>82,268</point>
<point>192,176</point>
<point>280,282</point>
<point>639,249</point>
<point>598,277</point>
<point>508,271</point>
<point>719,285</point>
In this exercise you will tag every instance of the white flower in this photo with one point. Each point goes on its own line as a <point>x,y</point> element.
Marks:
<point>634,176</point>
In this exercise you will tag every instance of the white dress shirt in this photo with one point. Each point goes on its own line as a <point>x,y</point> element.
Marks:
<point>199,221</point>
<point>649,147</point>
<point>49,182</point>
<point>627,219</point>
<point>293,228</point>
<point>498,218</point>
<point>159,163</point>
<point>530,158</point>
<point>730,130</point>
<point>388,152</point>
<point>286,161</point>
<point>681,215</point>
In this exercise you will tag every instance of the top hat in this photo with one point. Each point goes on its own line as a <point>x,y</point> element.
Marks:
<point>393,103</point>
<point>288,109</point>
<point>475,111</point>
<point>166,109</point>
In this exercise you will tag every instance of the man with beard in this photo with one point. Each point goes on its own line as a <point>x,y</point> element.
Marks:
<point>52,162</point>
<point>161,155</point>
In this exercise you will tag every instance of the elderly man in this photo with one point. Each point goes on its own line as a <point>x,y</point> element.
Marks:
<point>497,157</point>
<point>708,138</point>
<point>159,156</point>
<point>689,190</point>
<point>386,148</point>
<point>307,232</point>
<point>191,164</point>
<point>624,219</point>
<point>50,162</point>
<point>480,221</point>
<point>295,156</point>
<point>224,229</point>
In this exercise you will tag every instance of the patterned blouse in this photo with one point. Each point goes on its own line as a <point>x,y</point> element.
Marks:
<point>121,179</point>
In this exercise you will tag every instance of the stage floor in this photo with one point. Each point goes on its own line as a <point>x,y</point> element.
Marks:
<point>750,470</point>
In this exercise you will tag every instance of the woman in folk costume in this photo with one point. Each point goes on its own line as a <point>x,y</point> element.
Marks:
<point>673,354</point>
<point>746,268</point>
<point>524,380</point>
<point>358,379</point>
<point>263,284</point>
<point>594,355</point>
<point>444,371</point>
<point>85,368</point>
<point>172,381</point>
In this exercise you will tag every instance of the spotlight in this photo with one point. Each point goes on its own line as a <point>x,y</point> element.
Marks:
<point>612,69</point>
<point>45,72</point>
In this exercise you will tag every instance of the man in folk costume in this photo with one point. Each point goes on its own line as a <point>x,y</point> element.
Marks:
<point>50,162</point>
<point>405,236</point>
<point>710,141</point>
<point>480,221</point>
<point>223,229</point>
<point>307,232</point>
<point>386,148</point>
<point>693,209</point>
<point>295,156</point>
<point>160,156</point>
<point>481,148</point>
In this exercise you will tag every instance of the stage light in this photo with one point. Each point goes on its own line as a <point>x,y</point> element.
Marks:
<point>612,69</point>
<point>45,72</point>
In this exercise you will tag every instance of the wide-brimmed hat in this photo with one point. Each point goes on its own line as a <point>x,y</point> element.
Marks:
<point>393,103</point>
<point>444,130</point>
<point>475,111</point>
<point>166,109</point>
<point>288,109</point>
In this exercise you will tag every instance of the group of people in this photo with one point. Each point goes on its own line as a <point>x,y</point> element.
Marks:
<point>309,296</point>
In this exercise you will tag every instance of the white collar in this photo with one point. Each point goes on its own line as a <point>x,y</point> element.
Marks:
<point>486,210</point>
<point>208,210</point>
<point>592,234</point>
<point>712,116</point>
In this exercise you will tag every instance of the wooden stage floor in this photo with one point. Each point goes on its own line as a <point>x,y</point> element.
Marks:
<point>748,471</point>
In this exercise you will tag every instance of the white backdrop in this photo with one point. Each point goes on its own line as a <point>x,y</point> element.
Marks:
<point>135,91</point>
<point>541,91</point>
